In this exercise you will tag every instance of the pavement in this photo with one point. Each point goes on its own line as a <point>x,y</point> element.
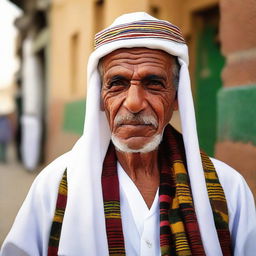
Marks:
<point>15,182</point>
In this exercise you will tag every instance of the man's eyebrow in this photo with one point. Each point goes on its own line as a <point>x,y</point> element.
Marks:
<point>116,77</point>
<point>153,77</point>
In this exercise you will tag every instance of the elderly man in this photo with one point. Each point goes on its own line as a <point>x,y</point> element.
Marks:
<point>132,185</point>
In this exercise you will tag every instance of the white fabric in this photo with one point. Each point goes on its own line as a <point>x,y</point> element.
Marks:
<point>30,232</point>
<point>241,209</point>
<point>32,79</point>
<point>32,88</point>
<point>140,224</point>
<point>30,141</point>
<point>83,230</point>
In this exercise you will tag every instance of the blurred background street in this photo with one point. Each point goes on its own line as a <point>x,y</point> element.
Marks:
<point>14,184</point>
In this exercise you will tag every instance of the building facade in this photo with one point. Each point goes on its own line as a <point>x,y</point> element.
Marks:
<point>222,43</point>
<point>236,144</point>
<point>32,79</point>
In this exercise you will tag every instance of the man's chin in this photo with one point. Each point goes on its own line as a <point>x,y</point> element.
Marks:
<point>134,148</point>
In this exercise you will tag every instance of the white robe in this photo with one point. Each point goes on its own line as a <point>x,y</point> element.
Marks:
<point>30,232</point>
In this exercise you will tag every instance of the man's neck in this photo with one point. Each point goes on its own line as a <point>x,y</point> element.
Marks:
<point>142,168</point>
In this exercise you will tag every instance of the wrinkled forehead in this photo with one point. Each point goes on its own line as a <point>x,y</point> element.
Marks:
<point>136,55</point>
<point>137,52</point>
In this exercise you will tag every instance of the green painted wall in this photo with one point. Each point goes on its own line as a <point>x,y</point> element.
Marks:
<point>74,114</point>
<point>209,63</point>
<point>237,114</point>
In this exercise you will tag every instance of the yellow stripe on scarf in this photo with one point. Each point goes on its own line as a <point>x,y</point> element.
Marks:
<point>182,187</point>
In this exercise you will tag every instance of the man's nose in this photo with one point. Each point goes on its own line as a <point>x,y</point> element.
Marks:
<point>135,99</point>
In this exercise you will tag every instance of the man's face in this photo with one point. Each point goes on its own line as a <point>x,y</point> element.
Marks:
<point>138,94</point>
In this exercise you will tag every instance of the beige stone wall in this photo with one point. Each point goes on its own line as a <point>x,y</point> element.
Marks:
<point>115,8</point>
<point>189,7</point>
<point>238,29</point>
<point>68,20</point>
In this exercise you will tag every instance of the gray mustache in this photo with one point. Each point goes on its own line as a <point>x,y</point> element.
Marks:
<point>138,118</point>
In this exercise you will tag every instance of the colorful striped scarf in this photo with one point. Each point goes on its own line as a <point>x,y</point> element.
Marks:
<point>179,231</point>
<point>58,217</point>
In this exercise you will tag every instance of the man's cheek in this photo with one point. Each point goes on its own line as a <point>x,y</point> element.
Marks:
<point>106,109</point>
<point>110,110</point>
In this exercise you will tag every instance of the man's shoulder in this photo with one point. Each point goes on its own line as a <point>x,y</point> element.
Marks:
<point>225,171</point>
<point>44,190</point>
<point>229,178</point>
<point>234,185</point>
<point>37,212</point>
<point>49,178</point>
<point>241,208</point>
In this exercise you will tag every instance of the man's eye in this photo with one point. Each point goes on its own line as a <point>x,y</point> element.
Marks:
<point>155,84</point>
<point>117,83</point>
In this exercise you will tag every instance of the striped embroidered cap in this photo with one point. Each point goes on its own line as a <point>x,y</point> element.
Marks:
<point>142,29</point>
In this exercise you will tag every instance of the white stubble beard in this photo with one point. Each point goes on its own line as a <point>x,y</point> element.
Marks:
<point>150,146</point>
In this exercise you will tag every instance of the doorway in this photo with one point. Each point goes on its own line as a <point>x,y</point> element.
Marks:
<point>207,78</point>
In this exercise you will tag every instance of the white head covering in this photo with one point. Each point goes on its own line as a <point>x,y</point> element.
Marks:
<point>86,218</point>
